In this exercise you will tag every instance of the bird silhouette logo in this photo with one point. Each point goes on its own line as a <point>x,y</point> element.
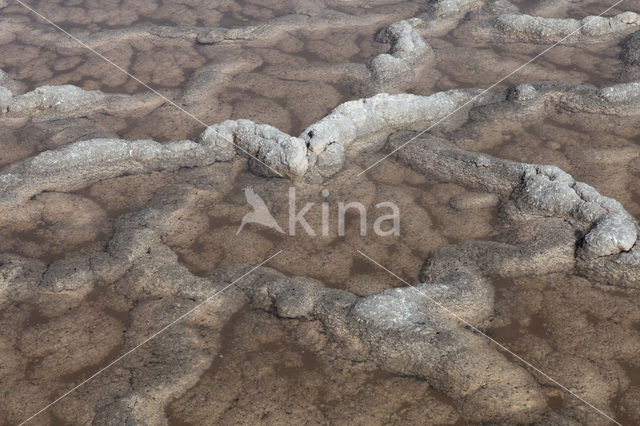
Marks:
<point>260,213</point>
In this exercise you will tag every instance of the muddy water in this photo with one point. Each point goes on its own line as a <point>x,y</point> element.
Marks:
<point>534,316</point>
<point>465,62</point>
<point>599,150</point>
<point>427,221</point>
<point>294,380</point>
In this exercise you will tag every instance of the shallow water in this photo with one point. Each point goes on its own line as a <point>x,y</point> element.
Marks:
<point>291,82</point>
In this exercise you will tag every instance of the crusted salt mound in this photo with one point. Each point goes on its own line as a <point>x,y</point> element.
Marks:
<point>553,29</point>
<point>621,93</point>
<point>76,165</point>
<point>409,52</point>
<point>367,122</point>
<point>277,151</point>
<point>61,99</point>
<point>611,234</point>
<point>68,100</point>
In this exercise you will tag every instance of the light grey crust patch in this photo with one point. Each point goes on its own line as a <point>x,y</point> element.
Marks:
<point>556,29</point>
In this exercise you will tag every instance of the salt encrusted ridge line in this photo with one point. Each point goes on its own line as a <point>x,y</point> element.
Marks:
<point>556,29</point>
<point>77,164</point>
<point>408,54</point>
<point>69,100</point>
<point>271,28</point>
<point>395,329</point>
<point>354,126</point>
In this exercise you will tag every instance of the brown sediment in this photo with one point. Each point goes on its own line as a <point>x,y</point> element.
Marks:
<point>78,376</point>
<point>545,319</point>
<point>309,361</point>
<point>102,297</point>
<point>427,202</point>
<point>536,326</point>
<point>361,267</point>
<point>633,373</point>
<point>36,237</point>
<point>35,318</point>
<point>226,336</point>
<point>508,334</point>
<point>289,365</point>
<point>554,65</point>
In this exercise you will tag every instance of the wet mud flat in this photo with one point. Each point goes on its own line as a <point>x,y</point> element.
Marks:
<point>518,213</point>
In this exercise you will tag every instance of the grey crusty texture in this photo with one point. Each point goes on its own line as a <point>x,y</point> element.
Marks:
<point>350,128</point>
<point>554,29</point>
<point>400,330</point>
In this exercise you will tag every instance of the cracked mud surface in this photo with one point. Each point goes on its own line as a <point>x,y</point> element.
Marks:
<point>108,236</point>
